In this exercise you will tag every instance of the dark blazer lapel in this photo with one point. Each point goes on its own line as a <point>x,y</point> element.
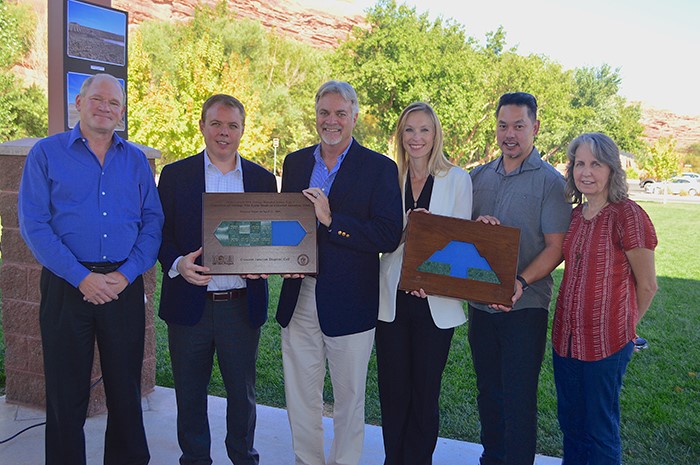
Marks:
<point>349,175</point>
<point>308,168</point>
<point>198,187</point>
<point>248,176</point>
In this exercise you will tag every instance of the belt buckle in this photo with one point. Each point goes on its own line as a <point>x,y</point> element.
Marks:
<point>220,296</point>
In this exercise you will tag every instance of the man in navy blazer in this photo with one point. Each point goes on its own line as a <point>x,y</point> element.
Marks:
<point>211,313</point>
<point>331,317</point>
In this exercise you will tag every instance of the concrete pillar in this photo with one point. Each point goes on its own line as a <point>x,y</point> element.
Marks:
<point>19,284</point>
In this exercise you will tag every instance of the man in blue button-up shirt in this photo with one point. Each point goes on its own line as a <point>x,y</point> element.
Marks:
<point>90,213</point>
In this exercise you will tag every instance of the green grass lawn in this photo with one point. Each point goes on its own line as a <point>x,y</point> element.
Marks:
<point>661,396</point>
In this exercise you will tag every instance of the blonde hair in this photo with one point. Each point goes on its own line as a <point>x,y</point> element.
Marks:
<point>438,164</point>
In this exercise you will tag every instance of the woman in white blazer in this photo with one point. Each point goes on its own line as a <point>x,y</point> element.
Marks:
<point>414,331</point>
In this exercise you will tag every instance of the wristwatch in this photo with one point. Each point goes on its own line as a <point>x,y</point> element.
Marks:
<point>522,281</point>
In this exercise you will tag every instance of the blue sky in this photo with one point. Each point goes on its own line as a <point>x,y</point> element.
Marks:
<point>87,15</point>
<point>655,43</point>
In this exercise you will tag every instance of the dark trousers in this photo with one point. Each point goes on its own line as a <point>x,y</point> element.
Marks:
<point>69,327</point>
<point>411,356</point>
<point>225,329</point>
<point>507,350</point>
<point>588,401</point>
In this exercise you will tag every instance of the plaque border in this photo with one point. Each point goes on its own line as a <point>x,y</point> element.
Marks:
<point>427,233</point>
<point>305,261</point>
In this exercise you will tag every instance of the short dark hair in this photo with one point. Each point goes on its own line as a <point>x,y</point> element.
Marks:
<point>224,99</point>
<point>521,99</point>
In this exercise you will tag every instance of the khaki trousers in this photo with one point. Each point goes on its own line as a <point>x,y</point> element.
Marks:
<point>305,350</point>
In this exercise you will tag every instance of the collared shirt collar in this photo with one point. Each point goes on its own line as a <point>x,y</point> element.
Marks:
<point>76,134</point>
<point>531,162</point>
<point>341,157</point>
<point>208,163</point>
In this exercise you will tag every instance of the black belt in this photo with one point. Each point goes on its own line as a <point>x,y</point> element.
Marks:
<point>102,267</point>
<point>223,296</point>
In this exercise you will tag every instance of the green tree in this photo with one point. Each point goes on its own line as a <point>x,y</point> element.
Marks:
<point>596,106</point>
<point>691,157</point>
<point>175,67</point>
<point>403,56</point>
<point>662,161</point>
<point>23,110</point>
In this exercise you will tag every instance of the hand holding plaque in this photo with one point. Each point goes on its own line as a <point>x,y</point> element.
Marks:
<point>258,233</point>
<point>459,258</point>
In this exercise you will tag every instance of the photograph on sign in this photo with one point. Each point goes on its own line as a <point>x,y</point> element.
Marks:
<point>73,82</point>
<point>96,33</point>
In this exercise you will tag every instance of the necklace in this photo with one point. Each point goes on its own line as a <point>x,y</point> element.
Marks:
<point>589,213</point>
<point>415,193</point>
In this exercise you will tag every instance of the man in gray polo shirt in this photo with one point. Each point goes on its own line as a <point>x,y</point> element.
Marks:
<point>521,190</point>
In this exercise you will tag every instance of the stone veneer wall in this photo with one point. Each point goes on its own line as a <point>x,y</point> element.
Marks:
<point>19,283</point>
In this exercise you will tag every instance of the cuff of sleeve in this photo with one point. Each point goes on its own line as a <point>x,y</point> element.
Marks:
<point>128,271</point>
<point>172,272</point>
<point>76,275</point>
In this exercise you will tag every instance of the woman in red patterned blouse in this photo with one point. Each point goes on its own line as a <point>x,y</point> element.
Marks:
<point>609,282</point>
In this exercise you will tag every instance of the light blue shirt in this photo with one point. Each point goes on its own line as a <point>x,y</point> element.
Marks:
<point>216,181</point>
<point>72,209</point>
<point>321,177</point>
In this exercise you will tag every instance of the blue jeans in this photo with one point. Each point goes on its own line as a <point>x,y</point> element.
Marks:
<point>588,401</point>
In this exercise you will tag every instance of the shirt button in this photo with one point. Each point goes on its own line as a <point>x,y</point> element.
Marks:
<point>104,235</point>
<point>104,193</point>
<point>104,213</point>
<point>104,257</point>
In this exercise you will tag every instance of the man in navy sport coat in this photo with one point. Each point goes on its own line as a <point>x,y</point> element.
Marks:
<point>330,317</point>
<point>208,313</point>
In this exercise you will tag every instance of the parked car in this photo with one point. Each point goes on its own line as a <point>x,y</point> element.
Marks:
<point>645,182</point>
<point>695,176</point>
<point>676,185</point>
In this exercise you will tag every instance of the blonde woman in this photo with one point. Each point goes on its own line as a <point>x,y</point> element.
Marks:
<point>414,331</point>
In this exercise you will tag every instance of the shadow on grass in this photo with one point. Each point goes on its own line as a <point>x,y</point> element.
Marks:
<point>660,407</point>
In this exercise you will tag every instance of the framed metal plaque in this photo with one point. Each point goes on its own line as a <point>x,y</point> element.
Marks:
<point>453,257</point>
<point>258,233</point>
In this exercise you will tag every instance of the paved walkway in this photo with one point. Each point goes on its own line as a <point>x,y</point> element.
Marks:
<point>272,439</point>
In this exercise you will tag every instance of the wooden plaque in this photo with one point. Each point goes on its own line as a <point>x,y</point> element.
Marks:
<point>258,233</point>
<point>453,257</point>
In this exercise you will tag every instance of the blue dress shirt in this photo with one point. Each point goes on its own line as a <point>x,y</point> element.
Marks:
<point>71,209</point>
<point>320,176</point>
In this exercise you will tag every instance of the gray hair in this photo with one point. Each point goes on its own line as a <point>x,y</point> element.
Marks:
<point>605,151</point>
<point>342,88</point>
<point>88,82</point>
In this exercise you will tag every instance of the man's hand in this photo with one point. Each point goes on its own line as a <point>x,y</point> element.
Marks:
<point>321,205</point>
<point>255,276</point>
<point>98,288</point>
<point>192,272</point>
<point>517,294</point>
<point>118,281</point>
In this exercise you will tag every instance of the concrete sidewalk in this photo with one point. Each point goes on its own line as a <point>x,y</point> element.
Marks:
<point>272,439</point>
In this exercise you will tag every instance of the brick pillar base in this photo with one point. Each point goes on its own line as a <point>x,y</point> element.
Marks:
<point>19,283</point>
